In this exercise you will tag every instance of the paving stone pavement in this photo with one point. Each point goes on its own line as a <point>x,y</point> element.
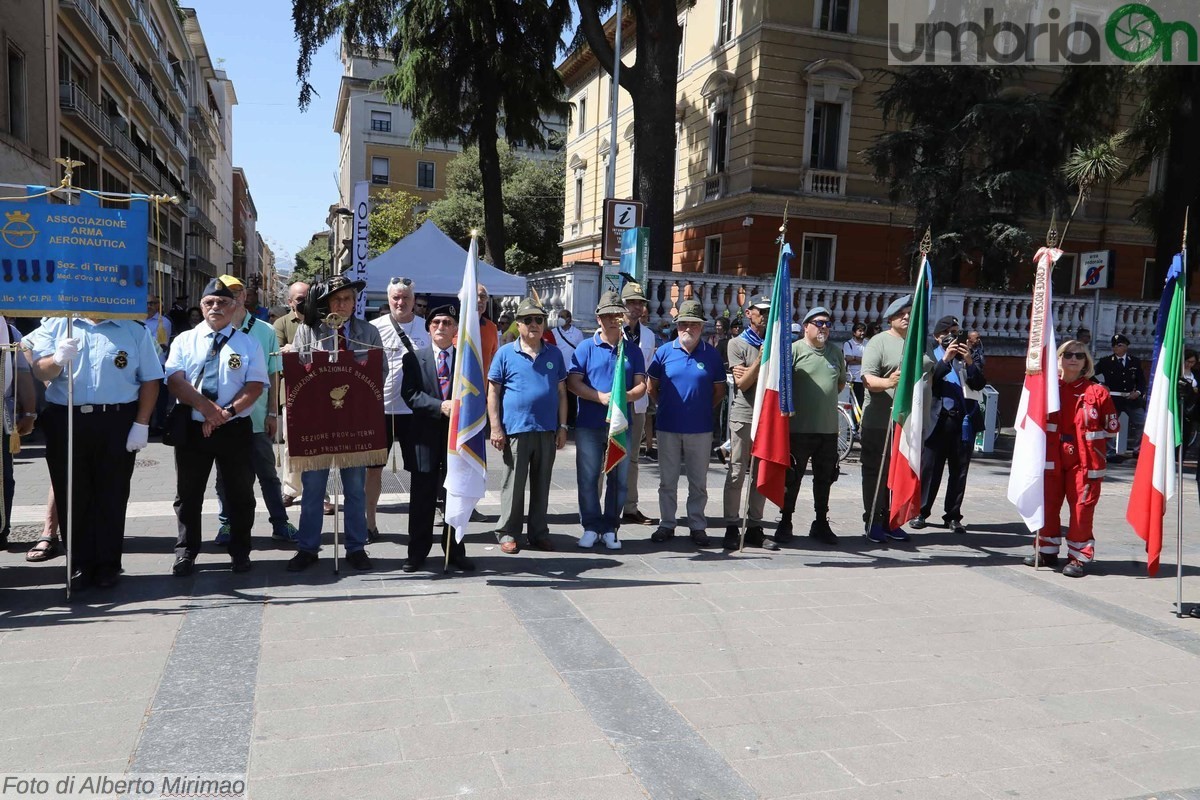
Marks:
<point>937,669</point>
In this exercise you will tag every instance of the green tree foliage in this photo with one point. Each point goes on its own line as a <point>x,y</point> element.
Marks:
<point>974,154</point>
<point>533,202</point>
<point>651,82</point>
<point>311,261</point>
<point>392,217</point>
<point>466,69</point>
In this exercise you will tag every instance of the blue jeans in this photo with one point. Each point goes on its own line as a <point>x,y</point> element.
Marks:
<point>262,456</point>
<point>590,444</point>
<point>312,508</point>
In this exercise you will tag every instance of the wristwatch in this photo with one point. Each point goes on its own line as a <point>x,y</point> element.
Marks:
<point>229,408</point>
<point>562,426</point>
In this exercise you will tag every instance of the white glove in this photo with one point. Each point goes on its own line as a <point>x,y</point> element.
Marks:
<point>66,351</point>
<point>139,437</point>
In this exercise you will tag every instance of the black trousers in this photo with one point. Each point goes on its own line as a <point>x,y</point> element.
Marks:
<point>945,445</point>
<point>875,460</point>
<point>231,448</point>
<point>103,469</point>
<point>426,493</point>
<point>821,449</point>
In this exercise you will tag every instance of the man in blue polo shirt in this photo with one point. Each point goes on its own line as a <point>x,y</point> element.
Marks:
<point>527,409</point>
<point>590,379</point>
<point>687,380</point>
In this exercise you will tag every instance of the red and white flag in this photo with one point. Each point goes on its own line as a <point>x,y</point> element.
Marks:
<point>1039,399</point>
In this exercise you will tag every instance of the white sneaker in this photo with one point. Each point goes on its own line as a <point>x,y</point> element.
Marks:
<point>588,539</point>
<point>611,541</point>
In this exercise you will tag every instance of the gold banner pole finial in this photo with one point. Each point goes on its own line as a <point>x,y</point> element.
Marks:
<point>1052,233</point>
<point>927,242</point>
<point>69,166</point>
<point>783,225</point>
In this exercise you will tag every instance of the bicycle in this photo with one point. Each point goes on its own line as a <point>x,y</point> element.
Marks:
<point>849,417</point>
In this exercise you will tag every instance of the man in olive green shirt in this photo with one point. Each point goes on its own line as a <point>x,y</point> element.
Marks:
<point>818,377</point>
<point>880,374</point>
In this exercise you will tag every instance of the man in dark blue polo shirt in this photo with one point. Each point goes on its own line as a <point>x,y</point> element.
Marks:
<point>687,380</point>
<point>527,409</point>
<point>591,379</point>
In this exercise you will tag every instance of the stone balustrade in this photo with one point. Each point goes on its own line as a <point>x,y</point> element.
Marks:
<point>1002,319</point>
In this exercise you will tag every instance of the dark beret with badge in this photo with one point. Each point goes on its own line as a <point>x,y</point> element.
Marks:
<point>442,311</point>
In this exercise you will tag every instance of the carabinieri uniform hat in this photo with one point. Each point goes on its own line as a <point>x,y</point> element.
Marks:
<point>1119,338</point>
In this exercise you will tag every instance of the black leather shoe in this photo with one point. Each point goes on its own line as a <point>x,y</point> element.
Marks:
<point>636,517</point>
<point>783,532</point>
<point>917,523</point>
<point>80,580</point>
<point>956,526</point>
<point>821,531</point>
<point>662,535</point>
<point>359,559</point>
<point>183,566</point>
<point>732,539</point>
<point>757,537</point>
<point>463,563</point>
<point>411,565</point>
<point>241,564</point>
<point>699,538</point>
<point>372,535</point>
<point>301,561</point>
<point>1044,560</point>
<point>106,577</point>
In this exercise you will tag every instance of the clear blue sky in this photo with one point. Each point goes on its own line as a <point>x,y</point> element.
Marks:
<point>290,158</point>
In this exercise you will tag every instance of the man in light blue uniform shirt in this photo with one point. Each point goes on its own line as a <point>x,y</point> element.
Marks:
<point>117,376</point>
<point>264,418</point>
<point>220,372</point>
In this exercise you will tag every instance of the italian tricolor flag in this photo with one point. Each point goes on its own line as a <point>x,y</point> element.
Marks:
<point>1154,479</point>
<point>910,409</point>
<point>618,419</point>
<point>773,394</point>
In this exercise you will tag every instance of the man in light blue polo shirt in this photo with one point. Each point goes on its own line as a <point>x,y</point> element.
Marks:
<point>527,411</point>
<point>687,381</point>
<point>591,379</point>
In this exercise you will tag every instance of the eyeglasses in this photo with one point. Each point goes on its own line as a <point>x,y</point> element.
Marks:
<point>400,282</point>
<point>820,323</point>
<point>441,321</point>
<point>532,320</point>
<point>1074,356</point>
<point>222,302</point>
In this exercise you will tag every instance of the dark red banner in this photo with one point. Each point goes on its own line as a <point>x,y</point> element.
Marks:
<point>335,410</point>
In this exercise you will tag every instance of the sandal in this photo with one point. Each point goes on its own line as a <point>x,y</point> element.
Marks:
<point>53,549</point>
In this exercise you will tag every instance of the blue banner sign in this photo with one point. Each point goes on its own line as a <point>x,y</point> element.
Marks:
<point>635,253</point>
<point>83,260</point>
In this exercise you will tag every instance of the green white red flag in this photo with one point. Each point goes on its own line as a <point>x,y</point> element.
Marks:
<point>1154,478</point>
<point>773,394</point>
<point>910,409</point>
<point>618,417</point>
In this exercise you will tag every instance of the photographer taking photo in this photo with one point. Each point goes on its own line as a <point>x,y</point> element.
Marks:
<point>957,379</point>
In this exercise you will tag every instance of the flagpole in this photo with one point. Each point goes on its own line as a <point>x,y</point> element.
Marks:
<point>1052,240</point>
<point>748,476</point>
<point>1179,456</point>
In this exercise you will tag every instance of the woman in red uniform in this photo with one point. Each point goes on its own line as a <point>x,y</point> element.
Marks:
<point>1076,443</point>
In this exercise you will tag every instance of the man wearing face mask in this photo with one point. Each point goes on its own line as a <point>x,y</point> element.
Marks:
<point>956,380</point>
<point>818,377</point>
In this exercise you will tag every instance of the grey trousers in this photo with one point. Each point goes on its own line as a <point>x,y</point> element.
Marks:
<point>637,428</point>
<point>688,453</point>
<point>526,456</point>
<point>741,465</point>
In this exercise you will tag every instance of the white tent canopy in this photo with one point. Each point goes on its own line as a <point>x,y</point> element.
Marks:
<point>435,263</point>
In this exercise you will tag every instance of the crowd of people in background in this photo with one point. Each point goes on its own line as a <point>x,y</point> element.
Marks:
<point>207,379</point>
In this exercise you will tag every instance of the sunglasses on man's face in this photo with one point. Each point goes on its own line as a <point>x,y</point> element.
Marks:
<point>532,320</point>
<point>1074,356</point>
<point>820,323</point>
